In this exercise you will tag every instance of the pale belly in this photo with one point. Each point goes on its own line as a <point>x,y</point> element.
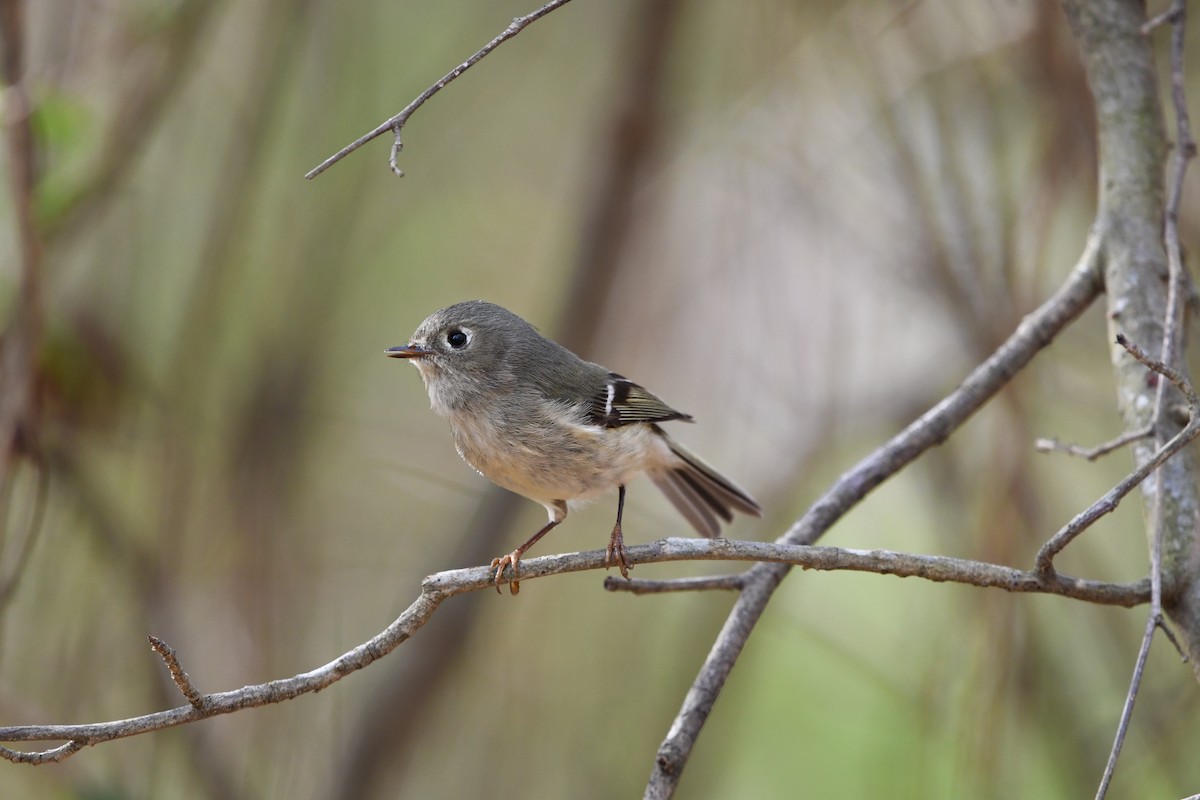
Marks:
<point>561,461</point>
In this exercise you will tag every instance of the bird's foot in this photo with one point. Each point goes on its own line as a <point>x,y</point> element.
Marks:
<point>510,560</point>
<point>615,554</point>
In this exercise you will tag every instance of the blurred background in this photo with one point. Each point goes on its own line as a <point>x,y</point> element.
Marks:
<point>802,223</point>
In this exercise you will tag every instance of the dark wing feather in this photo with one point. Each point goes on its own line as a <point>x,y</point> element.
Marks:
<point>620,401</point>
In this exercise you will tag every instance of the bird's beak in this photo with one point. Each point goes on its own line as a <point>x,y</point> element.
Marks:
<point>408,351</point>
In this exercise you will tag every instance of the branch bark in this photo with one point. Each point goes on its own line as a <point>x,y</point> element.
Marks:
<point>441,586</point>
<point>1120,65</point>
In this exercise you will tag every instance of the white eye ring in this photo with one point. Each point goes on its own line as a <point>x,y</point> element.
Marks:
<point>457,338</point>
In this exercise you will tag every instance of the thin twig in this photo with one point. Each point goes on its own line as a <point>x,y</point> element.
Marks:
<point>396,123</point>
<point>182,681</point>
<point>1170,634</point>
<point>440,586</point>
<point>50,756</point>
<point>1127,710</point>
<point>1111,499</point>
<point>1092,453</point>
<point>1162,368</point>
<point>8,588</point>
<point>639,586</point>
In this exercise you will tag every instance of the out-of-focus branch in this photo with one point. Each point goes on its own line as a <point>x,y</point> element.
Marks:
<point>1035,332</point>
<point>377,739</point>
<point>10,582</point>
<point>21,337</point>
<point>443,585</point>
<point>397,710</point>
<point>21,332</point>
<point>1051,444</point>
<point>140,106</point>
<point>396,124</point>
<point>635,129</point>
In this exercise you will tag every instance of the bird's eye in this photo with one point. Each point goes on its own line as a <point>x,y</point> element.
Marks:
<point>456,339</point>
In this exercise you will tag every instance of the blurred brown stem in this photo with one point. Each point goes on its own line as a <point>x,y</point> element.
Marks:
<point>21,338</point>
<point>378,736</point>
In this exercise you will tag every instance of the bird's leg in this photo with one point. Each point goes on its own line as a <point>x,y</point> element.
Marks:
<point>615,554</point>
<point>513,558</point>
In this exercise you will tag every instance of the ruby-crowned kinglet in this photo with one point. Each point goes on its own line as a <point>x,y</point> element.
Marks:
<point>536,419</point>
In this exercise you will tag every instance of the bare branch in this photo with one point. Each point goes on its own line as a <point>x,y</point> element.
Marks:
<point>1185,151</point>
<point>1127,710</point>
<point>1107,504</point>
<point>1035,332</point>
<point>1093,453</point>
<point>396,123</point>
<point>182,681</point>
<point>1173,639</point>
<point>442,585</point>
<point>1162,368</point>
<point>59,753</point>
<point>640,586</point>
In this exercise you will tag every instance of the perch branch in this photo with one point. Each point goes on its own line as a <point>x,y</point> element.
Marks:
<point>396,123</point>
<point>440,586</point>
<point>733,582</point>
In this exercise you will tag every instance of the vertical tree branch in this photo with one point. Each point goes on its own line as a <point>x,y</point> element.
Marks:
<point>1120,65</point>
<point>21,338</point>
<point>635,126</point>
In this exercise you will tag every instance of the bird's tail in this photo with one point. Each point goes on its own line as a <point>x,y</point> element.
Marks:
<point>701,493</point>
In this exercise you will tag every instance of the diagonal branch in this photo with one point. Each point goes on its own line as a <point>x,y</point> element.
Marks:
<point>1035,332</point>
<point>396,123</point>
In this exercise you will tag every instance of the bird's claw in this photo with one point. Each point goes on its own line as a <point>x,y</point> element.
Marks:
<point>615,554</point>
<point>498,564</point>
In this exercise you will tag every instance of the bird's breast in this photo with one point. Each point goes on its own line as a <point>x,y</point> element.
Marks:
<point>546,451</point>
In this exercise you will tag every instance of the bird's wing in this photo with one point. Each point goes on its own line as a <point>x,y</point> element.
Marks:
<point>620,401</point>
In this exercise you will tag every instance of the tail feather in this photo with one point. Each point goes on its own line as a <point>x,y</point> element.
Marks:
<point>698,491</point>
<point>686,503</point>
<point>698,487</point>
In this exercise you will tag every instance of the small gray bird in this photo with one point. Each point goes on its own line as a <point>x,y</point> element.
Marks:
<point>534,418</point>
